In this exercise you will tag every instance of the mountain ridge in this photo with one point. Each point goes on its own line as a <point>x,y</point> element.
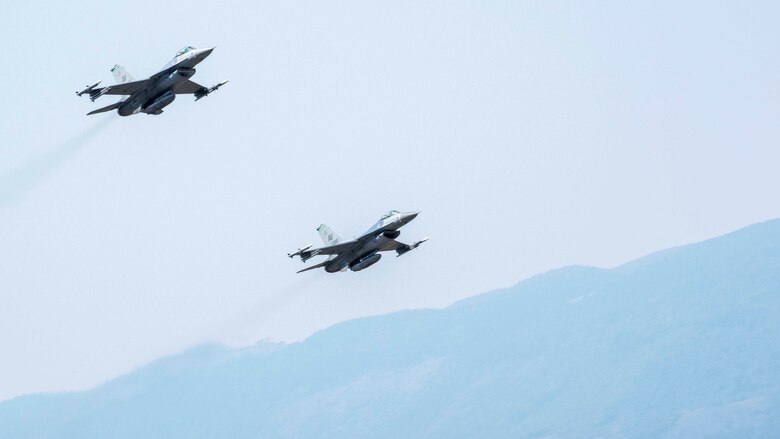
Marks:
<point>677,343</point>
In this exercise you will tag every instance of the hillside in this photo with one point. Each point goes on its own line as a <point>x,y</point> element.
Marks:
<point>680,343</point>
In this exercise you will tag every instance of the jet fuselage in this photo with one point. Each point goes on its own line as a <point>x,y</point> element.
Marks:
<point>158,95</point>
<point>162,90</point>
<point>366,255</point>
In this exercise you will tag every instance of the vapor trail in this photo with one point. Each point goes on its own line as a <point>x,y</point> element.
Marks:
<point>16,183</point>
<point>260,311</point>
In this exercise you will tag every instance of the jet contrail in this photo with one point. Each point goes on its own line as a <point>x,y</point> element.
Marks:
<point>254,315</point>
<point>16,183</point>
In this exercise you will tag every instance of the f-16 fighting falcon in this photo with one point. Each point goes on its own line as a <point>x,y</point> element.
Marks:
<point>362,252</point>
<point>151,95</point>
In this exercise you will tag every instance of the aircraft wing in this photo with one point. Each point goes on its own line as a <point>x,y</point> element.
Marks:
<point>343,247</point>
<point>188,87</point>
<point>347,245</point>
<point>393,245</point>
<point>334,249</point>
<point>126,88</point>
<point>402,248</point>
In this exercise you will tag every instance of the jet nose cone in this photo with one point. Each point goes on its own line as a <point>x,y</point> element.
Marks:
<point>408,216</point>
<point>202,53</point>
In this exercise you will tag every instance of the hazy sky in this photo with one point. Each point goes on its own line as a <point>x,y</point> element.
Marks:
<point>531,135</point>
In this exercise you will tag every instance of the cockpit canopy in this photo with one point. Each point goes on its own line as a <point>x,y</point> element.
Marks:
<point>390,213</point>
<point>184,50</point>
<point>381,222</point>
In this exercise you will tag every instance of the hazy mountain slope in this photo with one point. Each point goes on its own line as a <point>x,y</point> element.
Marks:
<point>681,343</point>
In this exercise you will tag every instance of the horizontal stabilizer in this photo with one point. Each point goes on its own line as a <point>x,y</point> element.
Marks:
<point>321,264</point>
<point>104,109</point>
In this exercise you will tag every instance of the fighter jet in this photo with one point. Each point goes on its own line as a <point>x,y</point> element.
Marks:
<point>362,252</point>
<point>151,95</point>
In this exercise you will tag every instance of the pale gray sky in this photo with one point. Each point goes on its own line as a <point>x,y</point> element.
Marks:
<point>531,135</point>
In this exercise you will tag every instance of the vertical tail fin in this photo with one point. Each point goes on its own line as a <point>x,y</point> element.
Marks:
<point>327,235</point>
<point>121,75</point>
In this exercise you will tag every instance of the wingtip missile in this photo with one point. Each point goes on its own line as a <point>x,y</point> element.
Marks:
<point>417,244</point>
<point>88,89</point>
<point>205,92</point>
<point>300,251</point>
<point>410,247</point>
